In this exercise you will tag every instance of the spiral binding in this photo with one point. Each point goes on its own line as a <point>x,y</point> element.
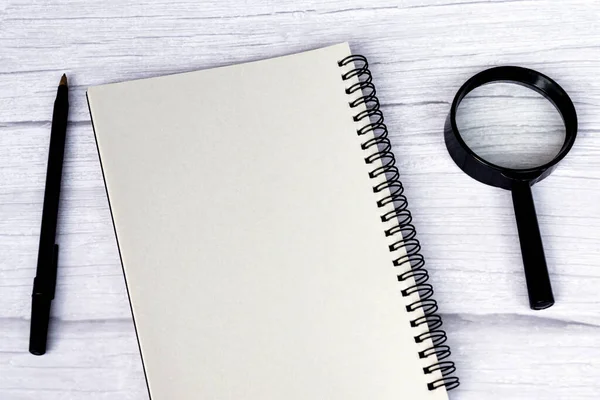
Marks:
<point>403,233</point>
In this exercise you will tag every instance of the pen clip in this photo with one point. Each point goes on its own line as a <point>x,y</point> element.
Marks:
<point>45,285</point>
<point>54,269</point>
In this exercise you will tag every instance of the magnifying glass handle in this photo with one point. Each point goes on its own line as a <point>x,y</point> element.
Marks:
<point>532,249</point>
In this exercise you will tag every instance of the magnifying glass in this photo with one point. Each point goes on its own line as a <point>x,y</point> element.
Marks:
<point>518,177</point>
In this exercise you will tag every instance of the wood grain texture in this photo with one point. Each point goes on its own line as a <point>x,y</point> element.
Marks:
<point>421,51</point>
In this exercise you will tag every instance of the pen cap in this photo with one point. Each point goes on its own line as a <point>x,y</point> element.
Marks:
<point>40,317</point>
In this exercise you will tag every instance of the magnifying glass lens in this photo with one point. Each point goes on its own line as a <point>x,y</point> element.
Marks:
<point>511,126</point>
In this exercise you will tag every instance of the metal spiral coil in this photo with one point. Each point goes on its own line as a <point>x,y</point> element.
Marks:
<point>404,231</point>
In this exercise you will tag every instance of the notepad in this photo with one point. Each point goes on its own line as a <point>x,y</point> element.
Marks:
<point>265,241</point>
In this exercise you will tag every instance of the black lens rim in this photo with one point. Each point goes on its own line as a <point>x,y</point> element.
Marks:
<point>492,174</point>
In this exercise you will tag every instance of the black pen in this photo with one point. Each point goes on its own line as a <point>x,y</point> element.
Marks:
<point>44,284</point>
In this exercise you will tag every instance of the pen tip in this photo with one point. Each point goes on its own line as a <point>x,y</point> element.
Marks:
<point>63,80</point>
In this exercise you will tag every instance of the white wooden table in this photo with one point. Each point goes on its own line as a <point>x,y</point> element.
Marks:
<point>421,51</point>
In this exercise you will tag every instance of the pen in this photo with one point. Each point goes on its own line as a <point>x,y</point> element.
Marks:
<point>44,283</point>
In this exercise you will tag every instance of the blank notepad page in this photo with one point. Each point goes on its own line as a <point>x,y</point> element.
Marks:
<point>253,249</point>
